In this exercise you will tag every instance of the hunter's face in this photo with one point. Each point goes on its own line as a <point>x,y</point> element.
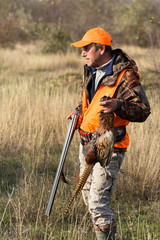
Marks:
<point>92,55</point>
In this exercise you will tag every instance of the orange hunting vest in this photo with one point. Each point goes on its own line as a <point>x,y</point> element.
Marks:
<point>90,120</point>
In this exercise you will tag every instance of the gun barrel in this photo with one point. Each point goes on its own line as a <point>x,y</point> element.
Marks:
<point>70,132</point>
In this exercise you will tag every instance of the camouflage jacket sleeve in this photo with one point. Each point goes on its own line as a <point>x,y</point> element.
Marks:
<point>133,104</point>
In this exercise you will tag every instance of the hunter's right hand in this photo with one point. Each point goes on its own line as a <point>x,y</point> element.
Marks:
<point>69,116</point>
<point>79,120</point>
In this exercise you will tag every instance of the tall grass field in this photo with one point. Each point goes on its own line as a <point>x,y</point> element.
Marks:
<point>37,92</point>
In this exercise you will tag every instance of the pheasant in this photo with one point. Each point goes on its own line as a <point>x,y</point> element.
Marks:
<point>99,149</point>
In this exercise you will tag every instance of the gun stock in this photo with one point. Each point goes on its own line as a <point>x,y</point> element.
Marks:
<point>69,135</point>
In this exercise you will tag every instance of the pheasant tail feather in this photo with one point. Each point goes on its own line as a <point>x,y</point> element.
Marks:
<point>80,185</point>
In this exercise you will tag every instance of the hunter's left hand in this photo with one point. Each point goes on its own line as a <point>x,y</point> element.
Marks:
<point>109,105</point>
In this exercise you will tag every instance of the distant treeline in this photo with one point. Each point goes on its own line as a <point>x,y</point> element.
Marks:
<point>59,22</point>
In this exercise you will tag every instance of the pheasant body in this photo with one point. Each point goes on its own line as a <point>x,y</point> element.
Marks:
<point>99,149</point>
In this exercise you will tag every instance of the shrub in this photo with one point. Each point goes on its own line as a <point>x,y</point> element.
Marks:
<point>54,38</point>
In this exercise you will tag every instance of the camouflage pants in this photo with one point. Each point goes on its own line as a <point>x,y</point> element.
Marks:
<point>99,187</point>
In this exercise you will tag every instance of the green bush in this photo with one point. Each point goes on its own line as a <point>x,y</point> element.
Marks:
<point>55,41</point>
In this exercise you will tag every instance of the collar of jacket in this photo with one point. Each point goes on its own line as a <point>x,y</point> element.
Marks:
<point>119,62</point>
<point>92,70</point>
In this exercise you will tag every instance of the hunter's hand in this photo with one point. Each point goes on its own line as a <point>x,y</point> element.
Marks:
<point>109,105</point>
<point>69,116</point>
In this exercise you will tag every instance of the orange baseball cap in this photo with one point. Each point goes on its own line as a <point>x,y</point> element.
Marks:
<point>94,35</point>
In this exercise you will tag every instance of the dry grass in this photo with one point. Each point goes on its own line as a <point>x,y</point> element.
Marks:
<point>141,165</point>
<point>145,58</point>
<point>33,125</point>
<point>28,57</point>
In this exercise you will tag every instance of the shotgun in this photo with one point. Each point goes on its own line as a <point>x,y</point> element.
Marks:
<point>71,129</point>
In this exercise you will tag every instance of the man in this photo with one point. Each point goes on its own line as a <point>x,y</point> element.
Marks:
<point>110,73</point>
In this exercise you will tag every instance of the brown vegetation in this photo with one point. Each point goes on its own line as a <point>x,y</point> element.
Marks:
<point>59,22</point>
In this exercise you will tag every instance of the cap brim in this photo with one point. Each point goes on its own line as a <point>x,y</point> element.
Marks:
<point>80,43</point>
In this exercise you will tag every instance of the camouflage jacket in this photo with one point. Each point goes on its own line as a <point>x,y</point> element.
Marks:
<point>132,101</point>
